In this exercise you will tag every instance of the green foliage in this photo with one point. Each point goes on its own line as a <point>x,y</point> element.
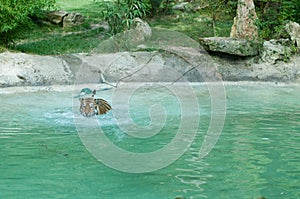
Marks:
<point>290,10</point>
<point>273,14</point>
<point>231,7</point>
<point>218,9</point>
<point>161,6</point>
<point>43,39</point>
<point>155,5</point>
<point>2,49</point>
<point>120,14</point>
<point>15,16</point>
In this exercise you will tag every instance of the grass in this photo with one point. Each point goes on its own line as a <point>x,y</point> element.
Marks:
<point>54,40</point>
<point>74,4</point>
<point>60,44</point>
<point>187,24</point>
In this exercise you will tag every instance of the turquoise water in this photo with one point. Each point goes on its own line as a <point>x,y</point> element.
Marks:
<point>257,153</point>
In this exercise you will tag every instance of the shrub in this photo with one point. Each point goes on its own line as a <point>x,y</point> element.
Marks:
<point>161,6</point>
<point>273,14</point>
<point>15,16</point>
<point>120,14</point>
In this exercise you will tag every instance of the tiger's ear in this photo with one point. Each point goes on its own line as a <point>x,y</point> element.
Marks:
<point>94,91</point>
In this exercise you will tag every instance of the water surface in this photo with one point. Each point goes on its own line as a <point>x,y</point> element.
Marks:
<point>257,154</point>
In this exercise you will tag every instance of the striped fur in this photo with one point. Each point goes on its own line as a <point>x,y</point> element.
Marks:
<point>90,106</point>
<point>102,106</point>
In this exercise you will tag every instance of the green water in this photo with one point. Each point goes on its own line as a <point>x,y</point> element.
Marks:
<point>257,154</point>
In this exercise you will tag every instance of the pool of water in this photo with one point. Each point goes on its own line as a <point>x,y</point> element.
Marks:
<point>257,154</point>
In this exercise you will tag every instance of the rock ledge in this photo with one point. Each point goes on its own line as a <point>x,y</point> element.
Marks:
<point>233,46</point>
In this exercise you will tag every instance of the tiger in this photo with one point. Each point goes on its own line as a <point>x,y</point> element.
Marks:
<point>90,106</point>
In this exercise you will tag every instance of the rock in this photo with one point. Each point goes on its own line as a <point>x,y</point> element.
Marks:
<point>56,17</point>
<point>181,6</point>
<point>250,70</point>
<point>240,47</point>
<point>276,50</point>
<point>164,66</point>
<point>142,29</point>
<point>18,69</point>
<point>244,23</point>
<point>293,29</point>
<point>64,18</point>
<point>129,40</point>
<point>73,19</point>
<point>268,72</point>
<point>169,64</point>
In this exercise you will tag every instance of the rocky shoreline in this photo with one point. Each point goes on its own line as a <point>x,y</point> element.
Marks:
<point>172,65</point>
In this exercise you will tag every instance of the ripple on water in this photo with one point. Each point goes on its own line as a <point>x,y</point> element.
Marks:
<point>62,117</point>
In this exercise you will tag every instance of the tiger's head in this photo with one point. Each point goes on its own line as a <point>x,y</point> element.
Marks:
<point>88,106</point>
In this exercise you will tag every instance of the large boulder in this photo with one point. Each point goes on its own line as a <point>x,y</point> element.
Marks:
<point>240,47</point>
<point>63,18</point>
<point>244,26</point>
<point>274,51</point>
<point>169,65</point>
<point>18,69</point>
<point>293,29</point>
<point>250,70</point>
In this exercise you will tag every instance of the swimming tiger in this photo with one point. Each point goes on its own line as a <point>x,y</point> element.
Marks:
<point>90,106</point>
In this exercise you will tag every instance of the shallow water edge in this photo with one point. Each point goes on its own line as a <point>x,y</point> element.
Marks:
<point>66,88</point>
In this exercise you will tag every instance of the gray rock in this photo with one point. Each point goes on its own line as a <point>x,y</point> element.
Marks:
<point>240,47</point>
<point>170,64</point>
<point>181,6</point>
<point>17,69</point>
<point>73,19</point>
<point>251,70</point>
<point>293,29</point>
<point>63,18</point>
<point>56,17</point>
<point>167,66</point>
<point>142,29</point>
<point>276,50</point>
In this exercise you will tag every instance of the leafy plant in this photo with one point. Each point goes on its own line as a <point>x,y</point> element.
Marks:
<point>120,14</point>
<point>15,16</point>
<point>161,6</point>
<point>273,14</point>
<point>290,10</point>
<point>217,8</point>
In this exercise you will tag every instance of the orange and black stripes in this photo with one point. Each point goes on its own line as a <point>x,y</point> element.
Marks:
<point>90,106</point>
